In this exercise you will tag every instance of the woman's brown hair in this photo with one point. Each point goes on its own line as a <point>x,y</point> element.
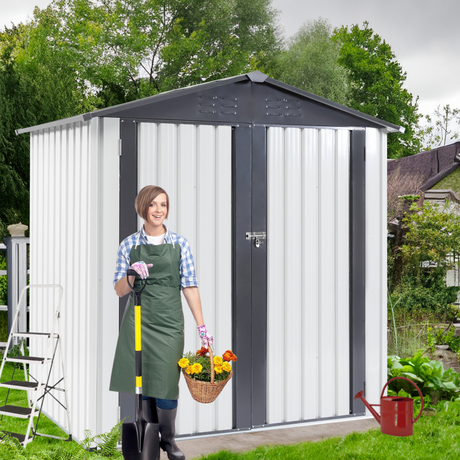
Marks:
<point>145,197</point>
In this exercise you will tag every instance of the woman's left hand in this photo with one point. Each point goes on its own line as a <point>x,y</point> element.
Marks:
<point>206,338</point>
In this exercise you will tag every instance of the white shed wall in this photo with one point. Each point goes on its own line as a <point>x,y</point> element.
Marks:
<point>74,237</point>
<point>74,209</point>
<point>376,263</point>
<point>194,165</point>
<point>308,311</point>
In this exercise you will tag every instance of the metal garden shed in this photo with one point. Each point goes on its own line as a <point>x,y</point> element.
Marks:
<point>302,305</point>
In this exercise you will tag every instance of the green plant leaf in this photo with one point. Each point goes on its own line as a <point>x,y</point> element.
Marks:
<point>412,376</point>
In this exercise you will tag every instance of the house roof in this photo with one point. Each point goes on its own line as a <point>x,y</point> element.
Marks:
<point>247,98</point>
<point>419,173</point>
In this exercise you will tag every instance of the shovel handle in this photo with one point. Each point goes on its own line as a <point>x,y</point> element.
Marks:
<point>137,294</point>
<point>131,272</point>
<point>137,330</point>
<point>413,383</point>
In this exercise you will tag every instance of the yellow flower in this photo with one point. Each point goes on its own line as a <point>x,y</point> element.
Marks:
<point>197,368</point>
<point>218,369</point>
<point>226,367</point>
<point>218,361</point>
<point>189,370</point>
<point>184,362</point>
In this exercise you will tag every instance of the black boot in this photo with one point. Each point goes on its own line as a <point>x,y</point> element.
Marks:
<point>167,422</point>
<point>149,408</point>
<point>151,448</point>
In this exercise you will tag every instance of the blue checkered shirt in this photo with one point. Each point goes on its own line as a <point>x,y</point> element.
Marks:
<point>187,266</point>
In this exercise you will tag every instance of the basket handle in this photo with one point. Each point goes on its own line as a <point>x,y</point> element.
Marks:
<point>415,385</point>
<point>212,363</point>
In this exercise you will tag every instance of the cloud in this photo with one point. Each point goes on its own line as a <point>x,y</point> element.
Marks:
<point>423,34</point>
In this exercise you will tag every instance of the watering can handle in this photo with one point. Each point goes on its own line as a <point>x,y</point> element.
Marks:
<point>418,389</point>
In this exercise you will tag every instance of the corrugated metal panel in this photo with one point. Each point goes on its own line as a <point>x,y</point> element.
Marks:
<point>376,263</point>
<point>193,164</point>
<point>308,266</point>
<point>67,241</point>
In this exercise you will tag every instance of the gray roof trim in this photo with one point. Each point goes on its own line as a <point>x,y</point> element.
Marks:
<point>53,124</point>
<point>256,77</point>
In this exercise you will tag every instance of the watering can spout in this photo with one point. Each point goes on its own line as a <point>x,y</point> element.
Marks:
<point>359,395</point>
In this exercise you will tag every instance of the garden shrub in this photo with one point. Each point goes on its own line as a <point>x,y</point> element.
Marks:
<point>435,382</point>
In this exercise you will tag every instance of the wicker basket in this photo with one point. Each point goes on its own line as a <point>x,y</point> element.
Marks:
<point>206,392</point>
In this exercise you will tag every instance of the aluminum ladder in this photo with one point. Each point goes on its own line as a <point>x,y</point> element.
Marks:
<point>37,388</point>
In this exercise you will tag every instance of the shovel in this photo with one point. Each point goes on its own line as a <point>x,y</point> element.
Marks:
<point>139,439</point>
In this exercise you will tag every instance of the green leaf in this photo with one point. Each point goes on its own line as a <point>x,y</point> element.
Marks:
<point>412,376</point>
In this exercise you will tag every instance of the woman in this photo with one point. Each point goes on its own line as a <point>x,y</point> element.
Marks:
<point>164,259</point>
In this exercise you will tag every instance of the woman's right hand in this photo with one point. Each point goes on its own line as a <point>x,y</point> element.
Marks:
<point>141,268</point>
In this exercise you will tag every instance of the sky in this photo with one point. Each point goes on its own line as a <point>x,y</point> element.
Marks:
<point>423,34</point>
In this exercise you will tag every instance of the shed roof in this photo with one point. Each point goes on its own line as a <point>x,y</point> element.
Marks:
<point>419,173</point>
<point>249,98</point>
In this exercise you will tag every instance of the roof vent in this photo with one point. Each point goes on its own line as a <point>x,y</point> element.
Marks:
<point>257,76</point>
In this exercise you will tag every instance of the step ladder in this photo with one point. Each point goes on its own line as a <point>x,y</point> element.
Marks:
<point>37,388</point>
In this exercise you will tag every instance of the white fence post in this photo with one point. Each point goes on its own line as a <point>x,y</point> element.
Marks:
<point>16,268</point>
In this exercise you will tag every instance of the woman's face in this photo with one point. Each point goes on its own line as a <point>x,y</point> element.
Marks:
<point>157,213</point>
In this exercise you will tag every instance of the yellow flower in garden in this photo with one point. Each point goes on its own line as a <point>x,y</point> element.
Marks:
<point>184,362</point>
<point>226,367</point>
<point>218,361</point>
<point>197,368</point>
<point>189,370</point>
<point>218,369</point>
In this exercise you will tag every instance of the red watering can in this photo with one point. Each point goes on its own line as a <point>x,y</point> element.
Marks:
<point>396,413</point>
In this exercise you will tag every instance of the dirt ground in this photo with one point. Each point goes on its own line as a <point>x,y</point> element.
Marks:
<point>448,358</point>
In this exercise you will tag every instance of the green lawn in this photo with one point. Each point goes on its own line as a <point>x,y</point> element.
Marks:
<point>435,437</point>
<point>19,398</point>
<point>11,449</point>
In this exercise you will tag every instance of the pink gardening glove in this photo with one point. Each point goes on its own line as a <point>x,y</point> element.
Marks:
<point>141,268</point>
<point>206,339</point>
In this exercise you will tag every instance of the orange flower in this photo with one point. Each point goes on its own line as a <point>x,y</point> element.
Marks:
<point>189,370</point>
<point>229,356</point>
<point>202,352</point>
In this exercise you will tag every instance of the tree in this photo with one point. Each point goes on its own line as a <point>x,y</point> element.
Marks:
<point>376,85</point>
<point>439,130</point>
<point>310,62</point>
<point>128,49</point>
<point>421,258</point>
<point>36,86</point>
<point>14,161</point>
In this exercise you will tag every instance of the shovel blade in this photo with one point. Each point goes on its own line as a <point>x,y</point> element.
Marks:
<point>140,446</point>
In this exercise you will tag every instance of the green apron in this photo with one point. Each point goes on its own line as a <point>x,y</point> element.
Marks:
<point>162,327</point>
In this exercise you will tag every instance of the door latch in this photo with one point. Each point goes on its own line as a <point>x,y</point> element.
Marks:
<point>258,238</point>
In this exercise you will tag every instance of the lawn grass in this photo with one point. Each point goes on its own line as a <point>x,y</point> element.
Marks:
<point>16,425</point>
<point>19,398</point>
<point>436,437</point>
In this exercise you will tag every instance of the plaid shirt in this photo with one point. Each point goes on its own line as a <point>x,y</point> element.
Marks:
<point>187,266</point>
